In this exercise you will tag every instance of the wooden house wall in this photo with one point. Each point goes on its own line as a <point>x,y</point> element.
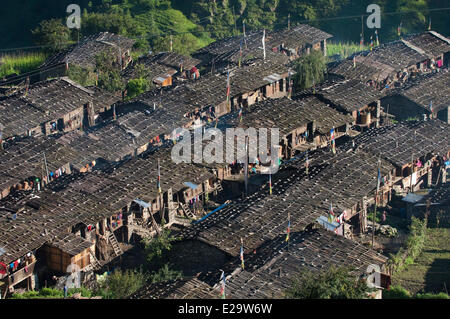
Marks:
<point>297,136</point>
<point>83,259</point>
<point>59,261</point>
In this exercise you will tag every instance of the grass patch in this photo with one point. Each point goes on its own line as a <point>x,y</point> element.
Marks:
<point>344,49</point>
<point>20,63</point>
<point>430,269</point>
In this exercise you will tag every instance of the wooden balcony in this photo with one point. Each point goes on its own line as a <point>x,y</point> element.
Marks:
<point>20,275</point>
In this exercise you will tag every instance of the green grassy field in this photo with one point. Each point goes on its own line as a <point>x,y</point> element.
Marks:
<point>344,49</point>
<point>432,268</point>
<point>20,63</point>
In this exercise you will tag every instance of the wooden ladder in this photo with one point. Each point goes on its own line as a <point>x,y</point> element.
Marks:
<point>187,210</point>
<point>115,244</point>
<point>219,188</point>
<point>94,262</point>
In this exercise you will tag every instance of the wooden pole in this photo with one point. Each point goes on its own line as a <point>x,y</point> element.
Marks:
<point>362,28</point>
<point>246,166</point>
<point>46,167</point>
<point>412,166</point>
<point>376,201</point>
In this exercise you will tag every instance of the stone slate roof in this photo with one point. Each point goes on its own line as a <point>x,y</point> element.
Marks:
<point>380,63</point>
<point>84,53</point>
<point>173,60</point>
<point>431,42</point>
<point>210,89</point>
<point>24,158</point>
<point>433,89</point>
<point>191,288</point>
<point>45,216</point>
<point>273,269</point>
<point>341,180</point>
<point>397,143</point>
<point>71,244</point>
<point>48,100</point>
<point>350,95</point>
<point>228,49</point>
<point>288,115</point>
<point>155,65</point>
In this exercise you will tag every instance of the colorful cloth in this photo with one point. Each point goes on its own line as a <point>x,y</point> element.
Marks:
<point>222,289</point>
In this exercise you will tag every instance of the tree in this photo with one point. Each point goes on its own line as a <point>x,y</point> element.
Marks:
<point>309,70</point>
<point>109,72</point>
<point>335,283</point>
<point>137,86</point>
<point>156,247</point>
<point>121,284</point>
<point>52,34</point>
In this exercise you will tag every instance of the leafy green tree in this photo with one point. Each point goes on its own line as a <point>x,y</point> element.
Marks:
<point>137,86</point>
<point>309,70</point>
<point>80,75</point>
<point>335,283</point>
<point>156,247</point>
<point>52,35</point>
<point>109,72</point>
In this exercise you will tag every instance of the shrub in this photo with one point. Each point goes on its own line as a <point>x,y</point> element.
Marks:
<point>429,295</point>
<point>156,247</point>
<point>165,274</point>
<point>121,284</point>
<point>396,292</point>
<point>335,283</point>
<point>136,87</point>
<point>84,292</point>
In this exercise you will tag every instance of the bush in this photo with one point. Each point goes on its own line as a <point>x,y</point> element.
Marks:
<point>335,283</point>
<point>121,284</point>
<point>84,292</point>
<point>428,295</point>
<point>43,293</point>
<point>166,274</point>
<point>136,87</point>
<point>156,247</point>
<point>396,292</point>
<point>80,75</point>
